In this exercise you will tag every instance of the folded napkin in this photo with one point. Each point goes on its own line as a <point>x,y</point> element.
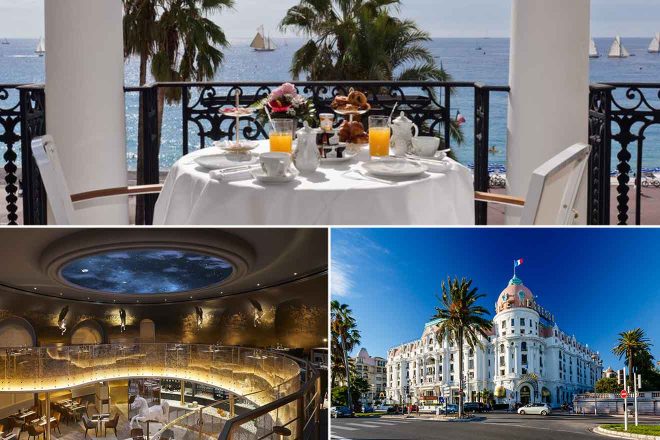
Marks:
<point>232,175</point>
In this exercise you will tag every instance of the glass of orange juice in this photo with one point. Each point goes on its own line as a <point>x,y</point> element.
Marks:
<point>281,135</point>
<point>379,136</point>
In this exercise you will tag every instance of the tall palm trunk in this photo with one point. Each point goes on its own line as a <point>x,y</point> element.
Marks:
<point>460,373</point>
<point>349,401</point>
<point>139,203</point>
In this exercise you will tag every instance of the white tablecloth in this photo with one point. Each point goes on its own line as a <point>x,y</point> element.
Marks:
<point>328,197</point>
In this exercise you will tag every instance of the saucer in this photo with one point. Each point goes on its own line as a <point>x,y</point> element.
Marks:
<point>394,167</point>
<point>226,160</point>
<point>261,176</point>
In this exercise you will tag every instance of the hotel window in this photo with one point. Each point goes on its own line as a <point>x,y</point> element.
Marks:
<point>504,324</point>
<point>523,346</point>
<point>502,361</point>
<point>522,322</point>
<point>524,359</point>
<point>501,372</point>
<point>513,322</point>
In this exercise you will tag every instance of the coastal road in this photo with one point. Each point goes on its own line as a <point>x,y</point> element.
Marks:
<point>496,426</point>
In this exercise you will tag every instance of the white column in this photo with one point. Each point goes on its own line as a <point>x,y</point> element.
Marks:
<point>549,79</point>
<point>85,100</point>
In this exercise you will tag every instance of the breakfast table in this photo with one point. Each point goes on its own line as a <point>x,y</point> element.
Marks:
<point>337,193</point>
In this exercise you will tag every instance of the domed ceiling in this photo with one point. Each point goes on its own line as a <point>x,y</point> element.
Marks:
<point>255,287</point>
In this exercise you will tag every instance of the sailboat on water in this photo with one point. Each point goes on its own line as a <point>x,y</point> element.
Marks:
<point>5,41</point>
<point>593,50</point>
<point>654,47</point>
<point>262,43</point>
<point>617,50</point>
<point>41,47</point>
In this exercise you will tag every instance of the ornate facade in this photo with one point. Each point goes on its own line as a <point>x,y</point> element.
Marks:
<point>525,358</point>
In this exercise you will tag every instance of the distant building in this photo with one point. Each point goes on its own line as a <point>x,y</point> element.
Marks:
<point>609,373</point>
<point>373,369</point>
<point>526,358</point>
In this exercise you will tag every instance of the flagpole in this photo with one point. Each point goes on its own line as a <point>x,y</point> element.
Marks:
<point>514,268</point>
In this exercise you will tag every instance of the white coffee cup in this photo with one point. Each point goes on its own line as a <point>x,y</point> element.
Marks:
<point>425,146</point>
<point>275,164</point>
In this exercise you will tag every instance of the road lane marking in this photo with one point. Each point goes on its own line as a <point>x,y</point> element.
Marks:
<point>344,427</point>
<point>373,425</point>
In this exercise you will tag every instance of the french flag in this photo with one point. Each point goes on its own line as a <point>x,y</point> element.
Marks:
<point>517,263</point>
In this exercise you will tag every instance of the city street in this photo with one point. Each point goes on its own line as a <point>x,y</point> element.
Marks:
<point>497,426</point>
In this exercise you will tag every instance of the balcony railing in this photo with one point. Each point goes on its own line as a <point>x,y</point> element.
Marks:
<point>281,391</point>
<point>619,112</point>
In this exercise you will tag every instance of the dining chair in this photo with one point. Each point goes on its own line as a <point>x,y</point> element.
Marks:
<point>137,434</point>
<point>61,201</point>
<point>112,424</point>
<point>88,424</point>
<point>35,431</point>
<point>553,189</point>
<point>56,423</point>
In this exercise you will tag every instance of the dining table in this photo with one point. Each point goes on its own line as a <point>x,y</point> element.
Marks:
<point>337,193</point>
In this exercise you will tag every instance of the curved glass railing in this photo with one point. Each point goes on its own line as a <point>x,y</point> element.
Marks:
<point>241,371</point>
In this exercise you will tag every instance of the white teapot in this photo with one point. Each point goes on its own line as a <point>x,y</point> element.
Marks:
<point>402,134</point>
<point>307,158</point>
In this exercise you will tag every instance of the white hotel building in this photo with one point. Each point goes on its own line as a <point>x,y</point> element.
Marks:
<point>526,358</point>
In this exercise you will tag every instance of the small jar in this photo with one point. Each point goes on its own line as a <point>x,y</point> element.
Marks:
<point>327,121</point>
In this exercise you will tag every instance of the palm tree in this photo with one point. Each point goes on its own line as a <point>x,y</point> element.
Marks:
<point>345,337</point>
<point>361,40</point>
<point>461,320</point>
<point>632,344</point>
<point>179,42</point>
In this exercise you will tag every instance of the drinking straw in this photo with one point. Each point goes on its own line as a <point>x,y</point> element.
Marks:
<point>268,114</point>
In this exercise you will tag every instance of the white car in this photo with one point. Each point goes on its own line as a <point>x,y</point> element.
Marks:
<point>535,408</point>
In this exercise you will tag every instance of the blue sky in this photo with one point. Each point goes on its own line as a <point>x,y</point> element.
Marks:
<point>442,18</point>
<point>597,282</point>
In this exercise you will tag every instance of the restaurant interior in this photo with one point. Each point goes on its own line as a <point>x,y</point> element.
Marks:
<point>150,334</point>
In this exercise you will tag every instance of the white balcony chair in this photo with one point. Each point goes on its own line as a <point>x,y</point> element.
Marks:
<point>553,189</point>
<point>59,197</point>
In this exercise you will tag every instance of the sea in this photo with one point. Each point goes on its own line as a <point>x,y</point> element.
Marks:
<point>467,59</point>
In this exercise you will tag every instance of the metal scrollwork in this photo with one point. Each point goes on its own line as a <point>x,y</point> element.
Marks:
<point>10,136</point>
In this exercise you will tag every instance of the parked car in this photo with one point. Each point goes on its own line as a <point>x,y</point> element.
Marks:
<point>381,408</point>
<point>341,411</point>
<point>473,407</point>
<point>395,409</point>
<point>451,408</point>
<point>535,408</point>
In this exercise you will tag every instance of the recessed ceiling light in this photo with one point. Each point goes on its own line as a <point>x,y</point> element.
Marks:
<point>190,296</point>
<point>34,288</point>
<point>295,274</point>
<point>88,298</point>
<point>61,294</point>
<point>84,270</point>
<point>258,284</point>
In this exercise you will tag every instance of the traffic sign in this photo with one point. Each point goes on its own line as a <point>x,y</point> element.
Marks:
<point>441,399</point>
<point>624,394</point>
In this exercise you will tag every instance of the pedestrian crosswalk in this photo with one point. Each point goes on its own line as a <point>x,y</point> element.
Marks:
<point>346,428</point>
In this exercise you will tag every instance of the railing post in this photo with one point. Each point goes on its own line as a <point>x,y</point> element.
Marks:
<point>481,128</point>
<point>33,124</point>
<point>600,138</point>
<point>300,414</point>
<point>447,117</point>
<point>149,98</point>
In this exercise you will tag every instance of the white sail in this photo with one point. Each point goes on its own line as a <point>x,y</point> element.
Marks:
<point>593,50</point>
<point>617,50</point>
<point>654,47</point>
<point>41,47</point>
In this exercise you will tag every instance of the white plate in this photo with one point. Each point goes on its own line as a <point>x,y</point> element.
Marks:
<point>436,164</point>
<point>221,161</point>
<point>348,155</point>
<point>230,146</point>
<point>262,177</point>
<point>394,167</point>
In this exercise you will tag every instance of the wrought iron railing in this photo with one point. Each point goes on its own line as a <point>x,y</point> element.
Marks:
<point>428,104</point>
<point>619,112</point>
<point>632,109</point>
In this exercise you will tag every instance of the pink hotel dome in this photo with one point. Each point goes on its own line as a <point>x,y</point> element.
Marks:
<point>515,295</point>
